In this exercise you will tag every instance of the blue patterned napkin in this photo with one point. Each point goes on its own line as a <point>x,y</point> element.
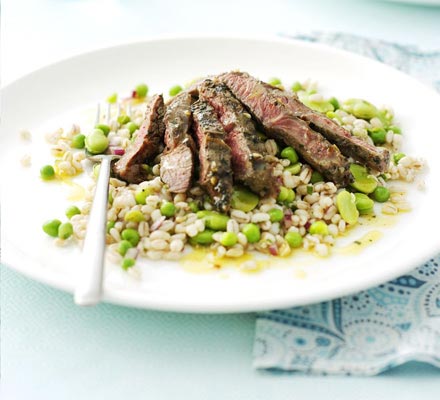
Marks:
<point>376,329</point>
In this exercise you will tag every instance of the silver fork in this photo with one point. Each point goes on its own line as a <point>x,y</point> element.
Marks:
<point>88,290</point>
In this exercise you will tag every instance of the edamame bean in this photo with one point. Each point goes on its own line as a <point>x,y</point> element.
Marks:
<point>275,214</point>
<point>141,195</point>
<point>193,206</point>
<point>363,182</point>
<point>51,227</point>
<point>228,239</point>
<point>168,209</point>
<point>318,228</point>
<point>346,204</point>
<point>65,230</point>
<point>134,216</point>
<point>131,126</point>
<point>381,194</point>
<point>71,211</point>
<point>397,157</point>
<point>96,142</point>
<point>290,154</point>
<point>131,235</point>
<point>363,203</point>
<point>252,232</point>
<point>244,200</point>
<point>123,119</point>
<point>110,225</point>
<point>47,172</point>
<point>78,141</point>
<point>282,195</point>
<point>294,239</point>
<point>290,196</point>
<point>128,263</point>
<point>334,102</point>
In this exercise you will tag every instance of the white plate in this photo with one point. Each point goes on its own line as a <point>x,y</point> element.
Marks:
<point>52,93</point>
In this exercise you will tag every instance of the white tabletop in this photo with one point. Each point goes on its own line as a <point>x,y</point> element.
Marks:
<point>115,352</point>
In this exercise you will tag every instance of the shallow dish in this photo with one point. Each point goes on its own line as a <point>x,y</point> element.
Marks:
<point>54,94</point>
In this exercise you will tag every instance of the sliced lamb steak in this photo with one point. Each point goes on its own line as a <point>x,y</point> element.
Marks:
<point>247,147</point>
<point>177,162</point>
<point>351,146</point>
<point>146,145</point>
<point>281,124</point>
<point>215,173</point>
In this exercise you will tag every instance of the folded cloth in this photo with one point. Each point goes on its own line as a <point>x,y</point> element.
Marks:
<point>376,329</point>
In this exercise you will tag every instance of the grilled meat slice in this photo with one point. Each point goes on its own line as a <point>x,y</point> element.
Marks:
<point>146,145</point>
<point>177,162</point>
<point>247,147</point>
<point>282,125</point>
<point>351,146</point>
<point>215,173</point>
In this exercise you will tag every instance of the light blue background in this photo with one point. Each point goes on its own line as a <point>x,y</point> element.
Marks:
<point>51,349</point>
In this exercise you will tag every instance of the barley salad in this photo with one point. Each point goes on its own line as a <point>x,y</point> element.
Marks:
<point>307,210</point>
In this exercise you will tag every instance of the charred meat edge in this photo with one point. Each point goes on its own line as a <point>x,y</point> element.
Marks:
<point>215,173</point>
<point>146,145</point>
<point>247,147</point>
<point>351,146</point>
<point>279,123</point>
<point>177,161</point>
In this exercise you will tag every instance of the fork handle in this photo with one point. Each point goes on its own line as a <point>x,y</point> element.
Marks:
<point>89,285</point>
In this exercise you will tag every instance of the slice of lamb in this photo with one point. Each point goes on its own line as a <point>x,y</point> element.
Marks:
<point>177,161</point>
<point>367,154</point>
<point>282,125</point>
<point>146,145</point>
<point>215,173</point>
<point>248,149</point>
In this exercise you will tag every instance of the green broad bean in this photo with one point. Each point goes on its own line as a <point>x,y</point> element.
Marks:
<point>65,230</point>
<point>395,129</point>
<point>131,126</point>
<point>175,90</point>
<point>334,102</point>
<point>346,205</point>
<point>110,225</point>
<point>316,177</point>
<point>113,98</point>
<point>290,196</point>
<point>47,172</point>
<point>123,247</point>
<point>360,108</point>
<point>296,87</point>
<point>363,182</point>
<point>318,228</point>
<point>274,81</point>
<point>104,128</point>
<point>290,154</point>
<point>363,203</point>
<point>243,199</point>
<point>141,90</point>
<point>275,214</point>
<point>123,119</point>
<point>134,216</point>
<point>131,235</point>
<point>294,239</point>
<point>193,206</point>
<point>381,194</point>
<point>309,189</point>
<point>397,157</point>
<point>78,141</point>
<point>228,239</point>
<point>141,195</point>
<point>128,263</point>
<point>168,209</point>
<point>283,194</point>
<point>96,142</point>
<point>377,135</point>
<point>203,238</point>
<point>71,211</point>
<point>252,232</point>
<point>294,169</point>
<point>214,220</point>
<point>51,227</point>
